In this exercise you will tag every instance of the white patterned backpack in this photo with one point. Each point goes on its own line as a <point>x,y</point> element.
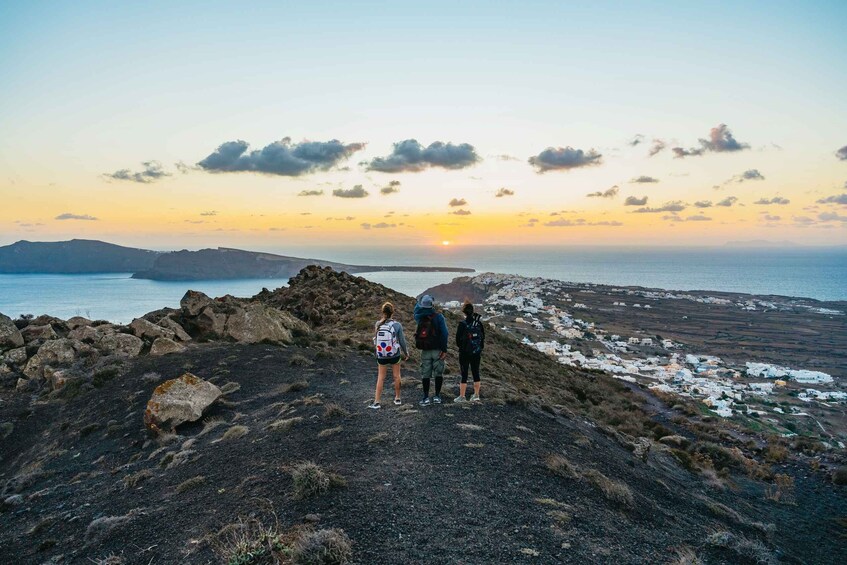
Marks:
<point>386,342</point>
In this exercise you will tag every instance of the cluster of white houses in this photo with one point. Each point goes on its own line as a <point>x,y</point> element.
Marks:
<point>723,389</point>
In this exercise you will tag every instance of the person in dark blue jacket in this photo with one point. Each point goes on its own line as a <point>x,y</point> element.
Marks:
<point>431,338</point>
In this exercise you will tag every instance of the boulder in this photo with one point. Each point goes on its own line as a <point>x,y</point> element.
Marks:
<point>10,336</point>
<point>642,447</point>
<point>86,334</point>
<point>179,400</point>
<point>148,330</point>
<point>16,356</point>
<point>256,323</point>
<point>164,345</point>
<point>194,302</point>
<point>52,353</point>
<point>179,332</point>
<point>211,323</point>
<point>56,377</point>
<point>122,345</point>
<point>77,322</point>
<point>34,332</point>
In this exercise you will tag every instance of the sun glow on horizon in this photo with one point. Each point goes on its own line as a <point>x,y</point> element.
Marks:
<point>445,243</point>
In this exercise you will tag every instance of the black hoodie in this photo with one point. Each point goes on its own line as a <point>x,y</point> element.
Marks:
<point>462,331</point>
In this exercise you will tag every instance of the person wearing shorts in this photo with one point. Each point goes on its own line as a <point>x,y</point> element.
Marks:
<point>388,354</point>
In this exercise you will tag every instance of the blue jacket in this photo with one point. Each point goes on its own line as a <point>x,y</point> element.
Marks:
<point>441,323</point>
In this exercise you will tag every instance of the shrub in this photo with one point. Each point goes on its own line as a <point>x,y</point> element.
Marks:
<point>560,466</point>
<point>379,438</point>
<point>329,431</point>
<point>839,476</point>
<point>284,424</point>
<point>334,410</point>
<point>310,479</point>
<point>782,489</point>
<point>751,550</point>
<point>322,547</point>
<point>235,432</point>
<point>614,491</point>
<point>776,453</point>
<point>298,360</point>
<point>131,481</point>
<point>296,386</point>
<point>191,483</point>
<point>249,543</point>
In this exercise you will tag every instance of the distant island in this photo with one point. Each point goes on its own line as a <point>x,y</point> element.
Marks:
<point>760,243</point>
<point>79,256</point>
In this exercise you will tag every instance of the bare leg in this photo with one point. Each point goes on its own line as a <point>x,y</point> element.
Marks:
<point>476,385</point>
<point>396,369</point>
<point>380,378</point>
<point>463,388</point>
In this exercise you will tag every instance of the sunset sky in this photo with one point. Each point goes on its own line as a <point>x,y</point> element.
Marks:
<point>484,122</point>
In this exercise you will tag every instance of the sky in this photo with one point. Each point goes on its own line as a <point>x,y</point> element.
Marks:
<point>271,124</point>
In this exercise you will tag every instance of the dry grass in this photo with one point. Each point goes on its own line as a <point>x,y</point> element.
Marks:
<point>330,431</point>
<point>782,489</point>
<point>313,400</point>
<point>686,556</point>
<point>748,550</point>
<point>475,445</point>
<point>296,386</point>
<point>230,387</point>
<point>560,466</point>
<point>284,424</point>
<point>560,516</point>
<point>131,481</point>
<point>517,440</point>
<point>551,502</point>
<point>381,437</point>
<point>334,410</point>
<point>322,547</point>
<point>235,432</point>
<point>524,429</point>
<point>470,427</point>
<point>250,543</point>
<point>209,424</point>
<point>310,480</point>
<point>191,483</point>
<point>614,491</point>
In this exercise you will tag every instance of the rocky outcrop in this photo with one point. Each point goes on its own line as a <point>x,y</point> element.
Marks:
<point>78,322</point>
<point>179,332</point>
<point>53,353</point>
<point>122,345</point>
<point>179,400</point>
<point>35,332</point>
<point>10,336</point>
<point>238,320</point>
<point>164,345</point>
<point>148,330</point>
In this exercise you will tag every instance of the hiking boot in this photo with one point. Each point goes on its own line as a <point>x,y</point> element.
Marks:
<point>374,406</point>
<point>436,399</point>
<point>460,399</point>
<point>476,398</point>
<point>397,402</point>
<point>425,402</point>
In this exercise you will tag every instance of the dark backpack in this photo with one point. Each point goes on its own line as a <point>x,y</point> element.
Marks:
<point>426,334</point>
<point>473,337</point>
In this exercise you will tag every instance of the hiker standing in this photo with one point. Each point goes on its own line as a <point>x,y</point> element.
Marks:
<point>470,339</point>
<point>431,339</point>
<point>391,348</point>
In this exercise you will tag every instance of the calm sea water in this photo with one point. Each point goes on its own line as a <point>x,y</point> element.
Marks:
<point>809,272</point>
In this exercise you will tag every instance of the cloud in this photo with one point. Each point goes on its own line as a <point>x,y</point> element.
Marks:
<point>564,158</point>
<point>842,153</point>
<point>803,221</point>
<point>379,226</point>
<point>279,158</point>
<point>834,199</point>
<point>774,200</point>
<point>635,201</point>
<point>644,179</point>
<point>391,188</point>
<point>565,223</point>
<point>356,192</point>
<point>409,156</point>
<point>674,206</point>
<point>277,229</point>
<point>151,173</point>
<point>720,140</point>
<point>310,193</point>
<point>831,217</point>
<point>698,218</point>
<point>458,202</point>
<point>209,213</point>
<point>504,192</point>
<point>770,218</point>
<point>636,140</point>
<point>608,193</point>
<point>461,213</point>
<point>505,157</point>
<point>728,201</point>
<point>657,147</point>
<point>69,216</point>
<point>182,167</point>
<point>703,204</point>
<point>751,174</point>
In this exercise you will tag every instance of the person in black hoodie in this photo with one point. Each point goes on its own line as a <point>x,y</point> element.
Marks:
<point>470,339</point>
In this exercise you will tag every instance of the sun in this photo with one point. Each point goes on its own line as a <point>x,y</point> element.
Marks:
<point>445,243</point>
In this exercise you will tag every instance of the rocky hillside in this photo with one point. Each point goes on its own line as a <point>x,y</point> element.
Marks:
<point>74,256</point>
<point>264,451</point>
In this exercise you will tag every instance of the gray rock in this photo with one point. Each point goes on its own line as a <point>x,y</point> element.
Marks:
<point>122,345</point>
<point>312,518</point>
<point>148,330</point>
<point>33,333</point>
<point>179,332</point>
<point>194,302</point>
<point>77,322</point>
<point>256,323</point>
<point>56,377</point>
<point>10,336</point>
<point>179,400</point>
<point>16,356</point>
<point>211,323</point>
<point>163,346</point>
<point>642,448</point>
<point>53,352</point>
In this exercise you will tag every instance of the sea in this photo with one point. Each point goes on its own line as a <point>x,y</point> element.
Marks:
<point>819,273</point>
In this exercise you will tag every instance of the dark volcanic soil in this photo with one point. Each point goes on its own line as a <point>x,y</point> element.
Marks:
<point>430,491</point>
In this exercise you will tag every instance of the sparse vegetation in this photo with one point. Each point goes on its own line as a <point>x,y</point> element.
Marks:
<point>330,431</point>
<point>322,547</point>
<point>475,445</point>
<point>334,410</point>
<point>470,427</point>
<point>560,466</point>
<point>284,424</point>
<point>380,437</point>
<point>250,543</point>
<point>296,386</point>
<point>614,491</point>
<point>191,483</point>
<point>782,489</point>
<point>839,476</point>
<point>235,432</point>
<point>752,550</point>
<point>310,479</point>
<point>230,387</point>
<point>132,480</point>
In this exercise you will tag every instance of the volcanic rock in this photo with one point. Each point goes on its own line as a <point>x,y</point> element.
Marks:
<point>164,345</point>
<point>10,336</point>
<point>53,352</point>
<point>122,345</point>
<point>179,400</point>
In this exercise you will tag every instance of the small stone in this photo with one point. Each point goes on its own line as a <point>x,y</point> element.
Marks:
<point>163,346</point>
<point>312,518</point>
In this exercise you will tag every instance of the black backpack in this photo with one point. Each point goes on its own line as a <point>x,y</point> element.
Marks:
<point>426,334</point>
<point>473,336</point>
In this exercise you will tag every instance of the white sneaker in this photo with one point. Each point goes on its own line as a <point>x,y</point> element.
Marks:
<point>460,399</point>
<point>374,406</point>
<point>398,402</point>
<point>476,398</point>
